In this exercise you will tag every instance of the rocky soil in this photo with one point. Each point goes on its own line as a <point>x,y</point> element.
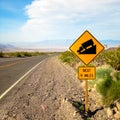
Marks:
<point>51,92</point>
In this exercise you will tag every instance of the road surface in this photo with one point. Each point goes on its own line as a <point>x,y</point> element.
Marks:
<point>11,69</point>
<point>47,94</point>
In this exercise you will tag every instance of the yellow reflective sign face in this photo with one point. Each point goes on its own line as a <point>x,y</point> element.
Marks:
<point>85,73</point>
<point>86,47</point>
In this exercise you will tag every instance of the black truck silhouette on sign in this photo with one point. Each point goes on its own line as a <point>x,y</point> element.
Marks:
<point>87,47</point>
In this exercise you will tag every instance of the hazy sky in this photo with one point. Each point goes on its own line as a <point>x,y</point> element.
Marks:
<point>39,20</point>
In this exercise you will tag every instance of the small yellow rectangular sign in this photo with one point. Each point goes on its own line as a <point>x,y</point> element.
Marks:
<point>86,73</point>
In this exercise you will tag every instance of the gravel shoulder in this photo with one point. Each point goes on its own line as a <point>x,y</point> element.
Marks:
<point>48,93</point>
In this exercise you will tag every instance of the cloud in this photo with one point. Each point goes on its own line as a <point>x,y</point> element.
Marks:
<point>67,19</point>
<point>52,19</point>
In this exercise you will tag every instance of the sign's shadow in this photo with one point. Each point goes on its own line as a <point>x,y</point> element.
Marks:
<point>81,110</point>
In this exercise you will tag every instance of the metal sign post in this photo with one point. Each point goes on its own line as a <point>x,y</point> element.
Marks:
<point>86,73</point>
<point>86,96</point>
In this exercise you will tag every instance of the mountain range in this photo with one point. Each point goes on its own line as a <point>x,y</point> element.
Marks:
<point>6,47</point>
<point>51,44</point>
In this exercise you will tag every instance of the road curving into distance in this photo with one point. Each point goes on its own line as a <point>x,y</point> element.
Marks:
<point>12,69</point>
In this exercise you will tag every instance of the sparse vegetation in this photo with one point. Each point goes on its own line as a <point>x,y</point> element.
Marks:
<point>107,84</point>
<point>107,78</point>
<point>111,57</point>
<point>68,57</point>
<point>101,73</point>
<point>20,54</point>
<point>109,88</point>
<point>1,54</point>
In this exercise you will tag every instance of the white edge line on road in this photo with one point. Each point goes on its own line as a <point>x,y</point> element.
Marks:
<point>3,94</point>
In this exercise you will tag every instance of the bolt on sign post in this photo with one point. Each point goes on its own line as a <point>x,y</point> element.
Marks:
<point>86,48</point>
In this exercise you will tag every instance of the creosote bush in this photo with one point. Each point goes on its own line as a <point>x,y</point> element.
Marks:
<point>68,57</point>
<point>109,88</point>
<point>20,54</point>
<point>113,58</point>
<point>1,54</point>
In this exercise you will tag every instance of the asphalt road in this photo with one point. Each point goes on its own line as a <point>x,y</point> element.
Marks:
<point>11,69</point>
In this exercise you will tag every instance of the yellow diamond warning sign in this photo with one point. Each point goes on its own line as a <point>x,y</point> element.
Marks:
<point>86,47</point>
<point>85,73</point>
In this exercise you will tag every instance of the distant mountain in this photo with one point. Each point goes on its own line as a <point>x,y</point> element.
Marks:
<point>51,44</point>
<point>69,42</point>
<point>6,47</point>
<point>55,42</point>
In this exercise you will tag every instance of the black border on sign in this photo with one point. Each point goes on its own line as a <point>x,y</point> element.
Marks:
<point>94,38</point>
<point>87,78</point>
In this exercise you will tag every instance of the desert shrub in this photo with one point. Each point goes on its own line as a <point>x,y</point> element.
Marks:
<point>116,76</point>
<point>113,93</point>
<point>19,54</point>
<point>109,88</point>
<point>112,57</point>
<point>1,54</point>
<point>27,54</point>
<point>100,59</point>
<point>101,73</point>
<point>104,85</point>
<point>67,57</point>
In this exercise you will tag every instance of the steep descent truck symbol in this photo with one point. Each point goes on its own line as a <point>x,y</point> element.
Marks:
<point>87,47</point>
